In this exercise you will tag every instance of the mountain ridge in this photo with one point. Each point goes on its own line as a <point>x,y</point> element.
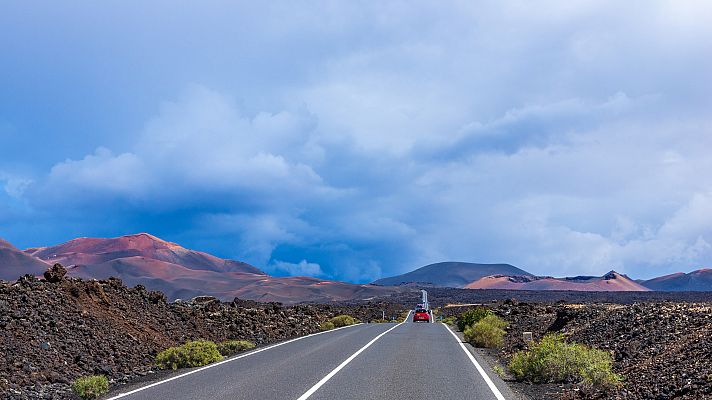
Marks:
<point>698,280</point>
<point>450,274</point>
<point>611,281</point>
<point>178,272</point>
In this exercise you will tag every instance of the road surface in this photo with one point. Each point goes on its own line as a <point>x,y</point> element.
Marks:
<point>366,361</point>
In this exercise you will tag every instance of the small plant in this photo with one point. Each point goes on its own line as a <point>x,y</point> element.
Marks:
<point>554,360</point>
<point>326,326</point>
<point>498,370</point>
<point>449,320</point>
<point>471,317</point>
<point>487,332</point>
<point>230,347</point>
<point>90,387</point>
<point>191,354</point>
<point>342,320</point>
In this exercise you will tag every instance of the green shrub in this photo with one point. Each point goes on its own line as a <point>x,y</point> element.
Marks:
<point>449,320</point>
<point>230,347</point>
<point>90,387</point>
<point>191,354</point>
<point>487,332</point>
<point>470,317</point>
<point>342,320</point>
<point>325,326</point>
<point>554,360</point>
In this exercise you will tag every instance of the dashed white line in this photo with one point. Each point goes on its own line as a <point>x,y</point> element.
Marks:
<point>343,364</point>
<point>223,362</point>
<point>482,372</point>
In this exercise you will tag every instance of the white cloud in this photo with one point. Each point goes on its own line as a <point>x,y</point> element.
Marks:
<point>302,268</point>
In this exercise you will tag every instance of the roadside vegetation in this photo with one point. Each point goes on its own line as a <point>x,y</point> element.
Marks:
<point>192,354</point>
<point>471,317</point>
<point>338,322</point>
<point>553,360</point>
<point>90,387</point>
<point>449,320</point>
<point>487,332</point>
<point>231,347</point>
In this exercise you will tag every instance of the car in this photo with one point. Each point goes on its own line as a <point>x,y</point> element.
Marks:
<point>421,315</point>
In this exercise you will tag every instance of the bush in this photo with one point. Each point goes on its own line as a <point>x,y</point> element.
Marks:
<point>326,326</point>
<point>230,347</point>
<point>471,317</point>
<point>191,354</point>
<point>554,360</point>
<point>343,320</point>
<point>487,332</point>
<point>90,387</point>
<point>449,320</point>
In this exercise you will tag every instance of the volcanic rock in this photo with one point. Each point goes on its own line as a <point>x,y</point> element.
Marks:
<point>55,273</point>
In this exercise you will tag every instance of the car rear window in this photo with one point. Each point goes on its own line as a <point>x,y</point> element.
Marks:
<point>421,310</point>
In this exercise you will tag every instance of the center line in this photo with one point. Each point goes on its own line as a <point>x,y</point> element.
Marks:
<point>343,364</point>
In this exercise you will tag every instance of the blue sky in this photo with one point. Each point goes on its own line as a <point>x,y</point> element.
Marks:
<point>354,140</point>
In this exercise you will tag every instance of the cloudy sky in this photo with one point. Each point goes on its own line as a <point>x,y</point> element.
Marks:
<point>354,140</point>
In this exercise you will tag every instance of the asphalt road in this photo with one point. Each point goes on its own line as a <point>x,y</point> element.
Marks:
<point>367,361</point>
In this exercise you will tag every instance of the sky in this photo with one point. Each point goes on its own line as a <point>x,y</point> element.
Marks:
<point>356,140</point>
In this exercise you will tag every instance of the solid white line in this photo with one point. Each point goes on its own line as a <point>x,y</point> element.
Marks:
<point>482,372</point>
<point>223,362</point>
<point>343,364</point>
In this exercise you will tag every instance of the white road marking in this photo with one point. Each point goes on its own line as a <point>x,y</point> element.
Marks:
<point>482,372</point>
<point>223,362</point>
<point>343,364</point>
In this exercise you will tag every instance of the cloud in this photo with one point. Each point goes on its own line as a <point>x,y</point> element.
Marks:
<point>565,138</point>
<point>302,268</point>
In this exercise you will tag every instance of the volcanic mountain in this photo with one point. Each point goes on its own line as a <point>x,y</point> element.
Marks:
<point>14,263</point>
<point>700,280</point>
<point>178,272</point>
<point>451,274</point>
<point>610,282</point>
<point>96,251</point>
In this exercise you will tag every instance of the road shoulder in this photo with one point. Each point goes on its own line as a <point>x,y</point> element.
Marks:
<point>487,362</point>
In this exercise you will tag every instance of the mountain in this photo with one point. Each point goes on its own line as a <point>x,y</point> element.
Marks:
<point>610,282</point>
<point>176,271</point>
<point>14,263</point>
<point>451,274</point>
<point>700,280</point>
<point>92,251</point>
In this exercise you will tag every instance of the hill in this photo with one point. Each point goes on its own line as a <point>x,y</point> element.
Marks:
<point>14,263</point>
<point>144,259</point>
<point>611,281</point>
<point>700,280</point>
<point>450,274</point>
<point>92,251</point>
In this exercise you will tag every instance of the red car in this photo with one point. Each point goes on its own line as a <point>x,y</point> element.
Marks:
<point>421,314</point>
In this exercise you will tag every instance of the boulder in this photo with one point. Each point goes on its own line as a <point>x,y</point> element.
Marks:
<point>55,273</point>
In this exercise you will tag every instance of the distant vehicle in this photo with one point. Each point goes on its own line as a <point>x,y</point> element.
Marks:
<point>421,315</point>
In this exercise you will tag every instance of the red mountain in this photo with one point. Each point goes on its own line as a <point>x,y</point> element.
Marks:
<point>700,280</point>
<point>92,251</point>
<point>14,263</point>
<point>178,272</point>
<point>610,282</point>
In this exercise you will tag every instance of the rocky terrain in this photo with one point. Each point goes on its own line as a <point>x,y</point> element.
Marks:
<point>57,329</point>
<point>662,349</point>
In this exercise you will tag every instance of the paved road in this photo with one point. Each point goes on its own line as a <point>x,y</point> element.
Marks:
<point>367,361</point>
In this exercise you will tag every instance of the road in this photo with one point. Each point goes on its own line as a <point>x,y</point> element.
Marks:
<point>366,361</point>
